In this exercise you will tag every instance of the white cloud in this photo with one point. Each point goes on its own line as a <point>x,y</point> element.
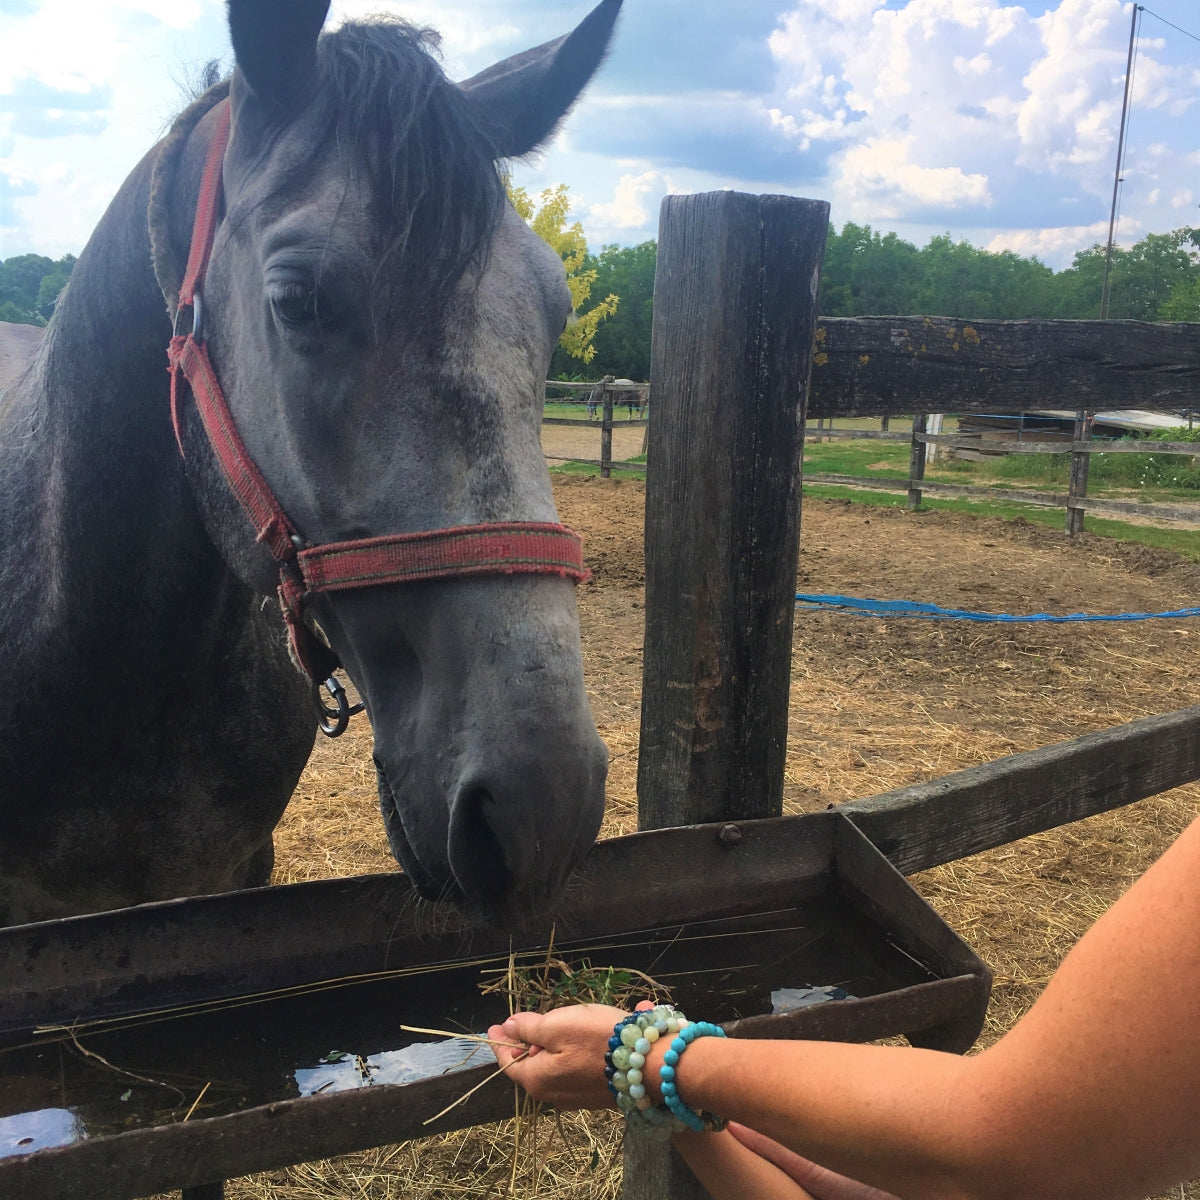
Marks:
<point>958,106</point>
<point>981,64</point>
<point>630,206</point>
<point>878,176</point>
<point>1058,243</point>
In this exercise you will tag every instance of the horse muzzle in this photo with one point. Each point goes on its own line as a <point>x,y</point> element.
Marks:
<point>491,772</point>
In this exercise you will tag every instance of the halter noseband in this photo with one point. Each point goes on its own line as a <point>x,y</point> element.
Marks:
<point>503,548</point>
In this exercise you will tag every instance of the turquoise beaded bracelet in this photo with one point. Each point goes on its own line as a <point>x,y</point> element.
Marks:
<point>627,1049</point>
<point>696,1121</point>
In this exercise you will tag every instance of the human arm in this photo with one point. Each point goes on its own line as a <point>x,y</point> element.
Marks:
<point>1093,1095</point>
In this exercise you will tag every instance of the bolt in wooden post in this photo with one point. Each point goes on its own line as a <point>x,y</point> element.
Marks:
<point>1080,462</point>
<point>606,429</point>
<point>734,324</point>
<point>916,462</point>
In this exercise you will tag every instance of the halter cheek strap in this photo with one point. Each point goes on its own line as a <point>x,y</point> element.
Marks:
<point>503,548</point>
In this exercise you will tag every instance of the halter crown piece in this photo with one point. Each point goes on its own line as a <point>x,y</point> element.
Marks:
<point>504,548</point>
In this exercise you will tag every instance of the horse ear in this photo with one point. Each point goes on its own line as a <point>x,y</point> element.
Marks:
<point>275,43</point>
<point>522,99</point>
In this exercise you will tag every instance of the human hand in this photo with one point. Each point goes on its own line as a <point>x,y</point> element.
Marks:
<point>563,1064</point>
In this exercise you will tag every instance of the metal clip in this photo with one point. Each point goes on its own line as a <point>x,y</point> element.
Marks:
<point>333,721</point>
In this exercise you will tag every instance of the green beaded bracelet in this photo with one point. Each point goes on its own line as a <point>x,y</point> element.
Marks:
<point>626,1056</point>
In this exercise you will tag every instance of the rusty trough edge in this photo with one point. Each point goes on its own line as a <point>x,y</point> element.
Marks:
<point>168,1157</point>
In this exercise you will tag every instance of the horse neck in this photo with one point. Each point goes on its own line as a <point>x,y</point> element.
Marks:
<point>95,494</point>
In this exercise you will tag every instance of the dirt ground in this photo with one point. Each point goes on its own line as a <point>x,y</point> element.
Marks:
<point>875,704</point>
<point>582,442</point>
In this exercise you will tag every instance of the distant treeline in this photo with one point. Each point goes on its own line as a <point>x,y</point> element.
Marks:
<point>866,273</point>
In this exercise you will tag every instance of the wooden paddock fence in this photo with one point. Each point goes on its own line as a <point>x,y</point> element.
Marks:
<point>887,366</point>
<point>1075,500</point>
<point>609,391</point>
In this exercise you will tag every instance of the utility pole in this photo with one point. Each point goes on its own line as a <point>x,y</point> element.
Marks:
<point>1112,220</point>
<point>1080,462</point>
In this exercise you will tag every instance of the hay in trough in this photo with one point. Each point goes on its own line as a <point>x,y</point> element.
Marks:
<point>874,705</point>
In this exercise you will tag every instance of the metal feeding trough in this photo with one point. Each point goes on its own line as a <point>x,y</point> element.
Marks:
<point>175,1044</point>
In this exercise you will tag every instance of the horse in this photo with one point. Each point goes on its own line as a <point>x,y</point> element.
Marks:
<point>341,468</point>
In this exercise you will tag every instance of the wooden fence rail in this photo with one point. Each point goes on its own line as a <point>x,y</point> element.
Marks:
<point>878,366</point>
<point>1033,446</point>
<point>987,806</point>
<point>609,390</point>
<point>1075,501</point>
<point>1189,514</point>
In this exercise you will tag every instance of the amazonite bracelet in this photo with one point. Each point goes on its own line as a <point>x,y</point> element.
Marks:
<point>631,1041</point>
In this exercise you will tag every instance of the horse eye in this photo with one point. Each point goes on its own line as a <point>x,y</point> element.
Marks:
<point>295,304</point>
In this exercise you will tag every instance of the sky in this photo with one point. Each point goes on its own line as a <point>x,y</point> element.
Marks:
<point>992,121</point>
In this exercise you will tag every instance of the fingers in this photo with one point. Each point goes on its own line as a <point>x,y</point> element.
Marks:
<point>558,1056</point>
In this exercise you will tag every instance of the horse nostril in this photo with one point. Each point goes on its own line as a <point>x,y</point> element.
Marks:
<point>482,848</point>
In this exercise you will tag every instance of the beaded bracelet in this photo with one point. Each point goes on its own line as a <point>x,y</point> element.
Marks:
<point>627,1049</point>
<point>696,1121</point>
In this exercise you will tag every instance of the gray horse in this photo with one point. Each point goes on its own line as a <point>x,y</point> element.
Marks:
<point>380,323</point>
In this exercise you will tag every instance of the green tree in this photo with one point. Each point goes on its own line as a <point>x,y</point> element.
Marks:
<point>1183,302</point>
<point>548,219</point>
<point>1144,279</point>
<point>29,286</point>
<point>623,341</point>
<point>51,285</point>
<point>961,280</point>
<point>867,273</point>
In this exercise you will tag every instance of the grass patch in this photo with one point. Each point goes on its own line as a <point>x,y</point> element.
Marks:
<point>634,469</point>
<point>868,459</point>
<point>1185,543</point>
<point>575,411</point>
<point>1169,475</point>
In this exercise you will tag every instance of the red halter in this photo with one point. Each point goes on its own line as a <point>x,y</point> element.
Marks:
<point>504,548</point>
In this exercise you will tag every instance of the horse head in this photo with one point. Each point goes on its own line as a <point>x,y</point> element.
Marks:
<point>381,323</point>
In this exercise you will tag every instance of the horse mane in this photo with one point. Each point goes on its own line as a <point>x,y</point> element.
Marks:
<point>168,269</point>
<point>383,100</point>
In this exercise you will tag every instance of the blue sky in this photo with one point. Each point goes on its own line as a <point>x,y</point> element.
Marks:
<point>990,120</point>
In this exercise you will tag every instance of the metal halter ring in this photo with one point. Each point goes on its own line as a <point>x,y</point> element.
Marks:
<point>197,311</point>
<point>334,721</point>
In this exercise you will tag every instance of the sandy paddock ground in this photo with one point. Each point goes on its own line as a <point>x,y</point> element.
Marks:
<point>875,704</point>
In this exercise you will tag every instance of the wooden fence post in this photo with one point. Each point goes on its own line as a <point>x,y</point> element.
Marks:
<point>606,428</point>
<point>916,462</point>
<point>734,323</point>
<point>1080,462</point>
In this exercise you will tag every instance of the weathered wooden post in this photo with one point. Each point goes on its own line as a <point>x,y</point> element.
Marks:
<point>1080,462</point>
<point>606,428</point>
<point>916,461</point>
<point>735,313</point>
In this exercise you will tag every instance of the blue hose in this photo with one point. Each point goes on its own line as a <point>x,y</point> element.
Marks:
<point>859,607</point>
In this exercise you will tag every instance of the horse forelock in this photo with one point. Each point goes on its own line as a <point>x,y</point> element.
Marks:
<point>383,104</point>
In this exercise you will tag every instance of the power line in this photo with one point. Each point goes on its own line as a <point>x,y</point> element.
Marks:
<point>1177,28</point>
